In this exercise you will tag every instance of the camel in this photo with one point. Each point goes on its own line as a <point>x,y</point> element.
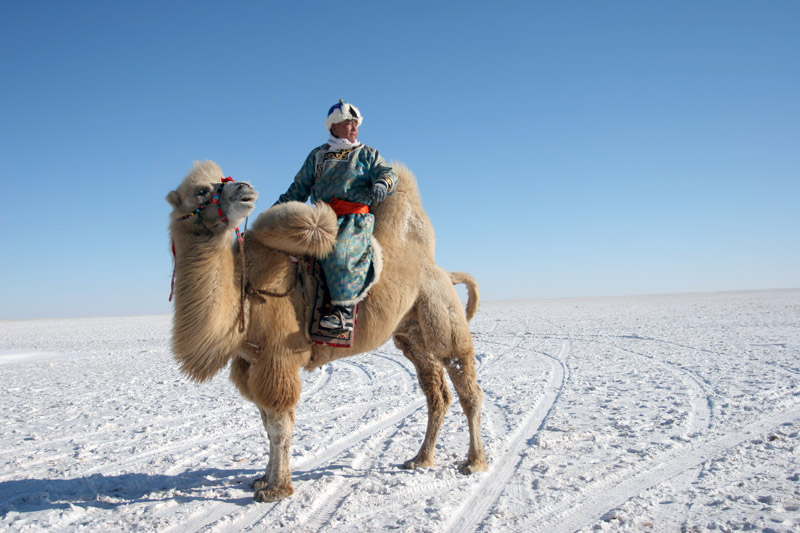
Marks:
<point>248,310</point>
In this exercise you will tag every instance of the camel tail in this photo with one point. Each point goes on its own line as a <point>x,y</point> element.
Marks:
<point>473,294</point>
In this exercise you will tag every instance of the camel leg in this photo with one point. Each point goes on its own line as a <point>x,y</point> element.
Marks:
<point>465,380</point>
<point>263,481</point>
<point>276,484</point>
<point>445,333</point>
<point>430,375</point>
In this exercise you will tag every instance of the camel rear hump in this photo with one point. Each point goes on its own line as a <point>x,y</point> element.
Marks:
<point>401,219</point>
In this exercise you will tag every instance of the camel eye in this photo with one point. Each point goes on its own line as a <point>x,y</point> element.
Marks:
<point>202,192</point>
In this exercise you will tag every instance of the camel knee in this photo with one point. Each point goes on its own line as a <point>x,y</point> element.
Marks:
<point>465,380</point>
<point>436,391</point>
<point>279,423</point>
<point>461,370</point>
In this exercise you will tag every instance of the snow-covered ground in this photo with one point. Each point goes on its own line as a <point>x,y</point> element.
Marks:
<point>656,413</point>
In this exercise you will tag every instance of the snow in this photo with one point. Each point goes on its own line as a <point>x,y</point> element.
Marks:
<point>656,413</point>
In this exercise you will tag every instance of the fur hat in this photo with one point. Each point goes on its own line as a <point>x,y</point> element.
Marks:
<point>341,112</point>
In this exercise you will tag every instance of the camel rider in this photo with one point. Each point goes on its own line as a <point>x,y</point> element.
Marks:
<point>349,176</point>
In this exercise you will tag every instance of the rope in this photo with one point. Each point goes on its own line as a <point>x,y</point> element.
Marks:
<point>248,290</point>
<point>261,292</point>
<point>240,238</point>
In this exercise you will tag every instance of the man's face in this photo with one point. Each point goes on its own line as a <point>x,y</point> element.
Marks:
<point>347,129</point>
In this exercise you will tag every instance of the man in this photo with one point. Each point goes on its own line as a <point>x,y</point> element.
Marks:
<point>349,176</point>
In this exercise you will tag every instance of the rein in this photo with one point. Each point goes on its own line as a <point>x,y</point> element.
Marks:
<point>262,292</point>
<point>248,290</point>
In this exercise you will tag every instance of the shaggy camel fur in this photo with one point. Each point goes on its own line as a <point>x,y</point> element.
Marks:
<point>414,302</point>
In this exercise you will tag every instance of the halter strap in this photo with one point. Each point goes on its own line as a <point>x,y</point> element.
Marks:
<point>213,200</point>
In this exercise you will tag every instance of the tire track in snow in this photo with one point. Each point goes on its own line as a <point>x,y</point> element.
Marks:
<point>178,445</point>
<point>320,383</point>
<point>701,414</point>
<point>324,513</point>
<point>410,377</point>
<point>228,516</point>
<point>49,460</point>
<point>477,506</point>
<point>485,495</point>
<point>45,453</point>
<point>576,511</point>
<point>181,421</point>
<point>322,510</point>
<point>231,517</point>
<point>767,363</point>
<point>579,510</point>
<point>321,513</point>
<point>490,413</point>
<point>364,376</point>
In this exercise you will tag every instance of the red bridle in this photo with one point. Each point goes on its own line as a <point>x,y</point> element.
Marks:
<point>213,200</point>
<point>223,218</point>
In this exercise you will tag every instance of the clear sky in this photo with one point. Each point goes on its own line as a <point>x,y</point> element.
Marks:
<point>563,149</point>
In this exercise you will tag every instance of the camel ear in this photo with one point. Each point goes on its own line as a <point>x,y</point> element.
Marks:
<point>174,199</point>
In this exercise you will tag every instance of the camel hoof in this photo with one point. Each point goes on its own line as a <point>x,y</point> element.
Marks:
<point>472,467</point>
<point>415,463</point>
<point>258,483</point>
<point>274,494</point>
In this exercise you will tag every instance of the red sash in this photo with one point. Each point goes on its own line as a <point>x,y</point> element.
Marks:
<point>343,207</point>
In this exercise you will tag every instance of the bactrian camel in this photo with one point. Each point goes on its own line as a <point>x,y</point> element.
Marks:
<point>264,335</point>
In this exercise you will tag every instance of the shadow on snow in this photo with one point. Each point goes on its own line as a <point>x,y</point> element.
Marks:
<point>110,492</point>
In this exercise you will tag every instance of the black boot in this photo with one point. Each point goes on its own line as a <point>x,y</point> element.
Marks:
<point>340,318</point>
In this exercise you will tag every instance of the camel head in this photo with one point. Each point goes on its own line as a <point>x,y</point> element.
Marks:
<point>205,197</point>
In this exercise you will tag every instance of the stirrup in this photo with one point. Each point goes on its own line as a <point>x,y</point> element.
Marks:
<point>341,318</point>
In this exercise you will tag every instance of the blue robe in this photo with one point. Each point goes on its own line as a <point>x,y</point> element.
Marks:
<point>347,175</point>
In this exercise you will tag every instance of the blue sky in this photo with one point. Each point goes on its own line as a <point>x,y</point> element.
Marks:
<point>563,149</point>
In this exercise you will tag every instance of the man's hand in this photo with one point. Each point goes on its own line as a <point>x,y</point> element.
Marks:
<point>379,191</point>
